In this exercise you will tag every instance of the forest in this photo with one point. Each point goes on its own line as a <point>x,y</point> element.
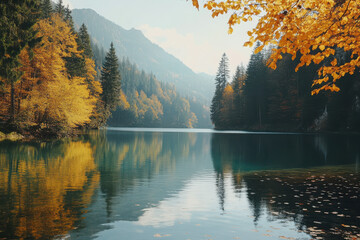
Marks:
<point>54,79</point>
<point>303,74</point>
<point>260,98</point>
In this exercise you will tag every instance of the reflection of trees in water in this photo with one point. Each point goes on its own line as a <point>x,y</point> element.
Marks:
<point>39,183</point>
<point>44,187</point>
<point>257,151</point>
<point>324,202</point>
<point>127,158</point>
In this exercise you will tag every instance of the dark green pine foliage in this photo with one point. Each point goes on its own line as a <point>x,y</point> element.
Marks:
<point>85,46</point>
<point>16,32</point>
<point>99,56</point>
<point>59,8</point>
<point>68,18</point>
<point>221,79</point>
<point>76,65</point>
<point>46,9</point>
<point>111,80</point>
<point>256,89</point>
<point>84,41</point>
<point>238,86</point>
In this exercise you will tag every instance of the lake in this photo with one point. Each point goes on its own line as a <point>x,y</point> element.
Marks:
<point>124,183</point>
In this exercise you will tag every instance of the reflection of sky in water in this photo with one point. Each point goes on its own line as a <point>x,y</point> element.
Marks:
<point>195,213</point>
<point>188,184</point>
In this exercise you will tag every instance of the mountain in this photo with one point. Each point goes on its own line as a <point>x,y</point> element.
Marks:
<point>147,55</point>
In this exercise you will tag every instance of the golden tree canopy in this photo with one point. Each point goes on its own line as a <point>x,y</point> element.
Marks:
<point>54,96</point>
<point>313,28</point>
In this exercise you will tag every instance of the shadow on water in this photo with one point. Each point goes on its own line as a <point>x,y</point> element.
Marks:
<point>319,191</point>
<point>249,152</point>
<point>77,188</point>
<point>47,188</point>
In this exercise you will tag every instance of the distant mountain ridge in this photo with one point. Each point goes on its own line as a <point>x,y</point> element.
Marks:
<point>147,55</point>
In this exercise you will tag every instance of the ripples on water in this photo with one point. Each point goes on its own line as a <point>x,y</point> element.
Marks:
<point>181,184</point>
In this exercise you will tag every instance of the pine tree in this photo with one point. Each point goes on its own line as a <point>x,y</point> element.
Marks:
<point>238,86</point>
<point>220,81</point>
<point>84,41</point>
<point>59,8</point>
<point>16,32</point>
<point>111,80</point>
<point>46,9</point>
<point>76,63</point>
<point>255,89</point>
<point>68,18</point>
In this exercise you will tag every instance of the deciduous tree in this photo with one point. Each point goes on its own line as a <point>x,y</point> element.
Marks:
<point>313,29</point>
<point>55,99</point>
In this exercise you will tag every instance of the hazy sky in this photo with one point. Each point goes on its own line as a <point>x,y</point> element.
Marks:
<point>193,36</point>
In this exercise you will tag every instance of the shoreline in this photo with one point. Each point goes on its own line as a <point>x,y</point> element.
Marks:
<point>26,136</point>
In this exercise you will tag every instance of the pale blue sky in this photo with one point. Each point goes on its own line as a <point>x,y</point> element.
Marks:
<point>193,36</point>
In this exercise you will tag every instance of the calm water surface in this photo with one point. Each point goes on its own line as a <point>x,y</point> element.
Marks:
<point>181,184</point>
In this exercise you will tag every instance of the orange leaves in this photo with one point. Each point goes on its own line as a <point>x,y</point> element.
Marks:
<point>53,96</point>
<point>258,49</point>
<point>330,87</point>
<point>195,3</point>
<point>313,28</point>
<point>334,62</point>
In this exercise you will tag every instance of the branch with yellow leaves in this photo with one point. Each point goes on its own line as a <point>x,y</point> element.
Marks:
<point>312,28</point>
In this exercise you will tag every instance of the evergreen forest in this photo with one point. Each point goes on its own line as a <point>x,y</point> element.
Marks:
<point>261,98</point>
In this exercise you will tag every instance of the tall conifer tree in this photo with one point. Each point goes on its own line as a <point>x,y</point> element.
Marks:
<point>220,82</point>
<point>59,8</point>
<point>238,85</point>
<point>84,39</point>
<point>111,80</point>
<point>255,88</point>
<point>46,9</point>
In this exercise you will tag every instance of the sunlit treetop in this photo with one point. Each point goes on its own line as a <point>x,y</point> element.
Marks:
<point>317,29</point>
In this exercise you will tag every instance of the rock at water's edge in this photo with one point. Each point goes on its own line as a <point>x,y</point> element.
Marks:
<point>13,136</point>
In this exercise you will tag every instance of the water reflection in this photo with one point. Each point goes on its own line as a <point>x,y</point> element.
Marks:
<point>249,152</point>
<point>44,187</point>
<point>323,202</point>
<point>140,185</point>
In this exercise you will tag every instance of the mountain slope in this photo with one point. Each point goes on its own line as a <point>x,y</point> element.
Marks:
<point>149,56</point>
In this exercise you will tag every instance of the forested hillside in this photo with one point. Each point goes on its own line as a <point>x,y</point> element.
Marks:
<point>53,79</point>
<point>148,56</point>
<point>147,102</point>
<point>260,98</point>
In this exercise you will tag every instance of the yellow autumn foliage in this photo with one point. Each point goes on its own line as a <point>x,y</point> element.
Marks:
<point>314,28</point>
<point>124,104</point>
<point>39,210</point>
<point>227,103</point>
<point>54,97</point>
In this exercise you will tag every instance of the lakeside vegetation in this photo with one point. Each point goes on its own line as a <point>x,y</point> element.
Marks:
<point>312,51</point>
<point>260,98</point>
<point>54,80</point>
